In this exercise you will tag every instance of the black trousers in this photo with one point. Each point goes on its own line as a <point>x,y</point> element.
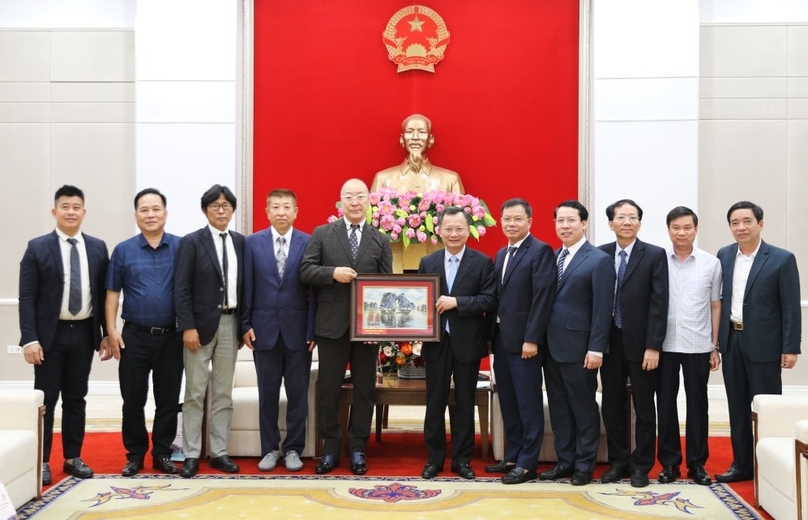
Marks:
<point>695,373</point>
<point>335,354</point>
<point>160,356</point>
<point>65,371</point>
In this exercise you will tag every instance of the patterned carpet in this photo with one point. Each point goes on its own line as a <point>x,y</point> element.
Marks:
<point>340,497</point>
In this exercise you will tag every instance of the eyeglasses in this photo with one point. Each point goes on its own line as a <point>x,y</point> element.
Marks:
<point>453,231</point>
<point>358,198</point>
<point>630,218</point>
<point>217,206</point>
<point>517,220</point>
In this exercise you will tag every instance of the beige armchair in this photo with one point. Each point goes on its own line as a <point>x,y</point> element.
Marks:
<point>781,447</point>
<point>547,453</point>
<point>21,444</point>
<point>245,436</point>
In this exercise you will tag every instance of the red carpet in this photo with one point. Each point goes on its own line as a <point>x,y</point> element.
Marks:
<point>399,454</point>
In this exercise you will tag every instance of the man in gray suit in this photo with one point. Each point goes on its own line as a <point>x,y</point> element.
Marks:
<point>336,253</point>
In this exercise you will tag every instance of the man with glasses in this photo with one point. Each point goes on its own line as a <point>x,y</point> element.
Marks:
<point>638,330</point>
<point>336,253</point>
<point>207,288</point>
<point>526,280</point>
<point>467,289</point>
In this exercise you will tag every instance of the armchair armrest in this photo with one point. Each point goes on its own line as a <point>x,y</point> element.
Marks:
<point>21,409</point>
<point>776,414</point>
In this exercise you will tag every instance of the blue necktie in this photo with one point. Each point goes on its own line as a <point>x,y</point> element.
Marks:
<point>618,307</point>
<point>450,278</point>
<point>561,258</point>
<point>74,301</point>
<point>354,241</point>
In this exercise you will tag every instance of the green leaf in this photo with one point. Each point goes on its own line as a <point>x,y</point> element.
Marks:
<point>405,239</point>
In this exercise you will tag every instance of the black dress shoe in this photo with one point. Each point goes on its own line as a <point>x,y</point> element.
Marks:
<point>699,475</point>
<point>77,468</point>
<point>47,478</point>
<point>669,474</point>
<point>431,471</point>
<point>224,463</point>
<point>639,478</point>
<point>164,465</point>
<point>500,467</point>
<point>557,472</point>
<point>581,477</point>
<point>519,475</point>
<point>464,470</point>
<point>327,464</point>
<point>733,474</point>
<point>359,465</point>
<point>132,467</point>
<point>189,468</point>
<point>615,472</point>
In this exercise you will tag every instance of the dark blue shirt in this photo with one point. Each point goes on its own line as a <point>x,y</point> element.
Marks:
<point>146,276</point>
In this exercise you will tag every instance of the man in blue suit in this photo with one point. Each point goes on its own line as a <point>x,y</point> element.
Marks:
<point>525,273</point>
<point>577,338</point>
<point>760,328</point>
<point>277,322</point>
<point>61,320</point>
<point>467,289</point>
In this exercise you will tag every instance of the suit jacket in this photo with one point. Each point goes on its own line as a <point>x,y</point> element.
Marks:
<point>475,289</point>
<point>328,249</point>
<point>581,318</point>
<point>772,317</point>
<point>525,294</point>
<point>198,282</point>
<point>42,287</point>
<point>272,306</point>
<point>644,296</point>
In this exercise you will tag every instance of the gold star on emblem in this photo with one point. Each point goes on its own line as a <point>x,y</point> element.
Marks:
<point>415,24</point>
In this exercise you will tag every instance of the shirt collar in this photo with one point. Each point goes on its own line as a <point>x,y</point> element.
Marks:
<point>276,234</point>
<point>519,244</point>
<point>754,253</point>
<point>628,249</point>
<point>348,224</point>
<point>215,232</point>
<point>64,236</point>
<point>575,247</point>
<point>459,255</point>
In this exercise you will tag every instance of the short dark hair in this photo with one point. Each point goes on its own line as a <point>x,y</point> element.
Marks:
<point>453,210</point>
<point>150,191</point>
<point>68,191</point>
<point>681,211</point>
<point>620,203</point>
<point>282,192</point>
<point>757,211</point>
<point>215,191</point>
<point>517,202</point>
<point>583,213</point>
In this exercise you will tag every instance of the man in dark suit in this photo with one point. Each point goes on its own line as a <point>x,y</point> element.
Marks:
<point>62,315</point>
<point>638,330</point>
<point>525,273</point>
<point>760,328</point>
<point>336,253</point>
<point>149,345</point>
<point>577,338</point>
<point>207,287</point>
<point>277,320</point>
<point>467,290</point>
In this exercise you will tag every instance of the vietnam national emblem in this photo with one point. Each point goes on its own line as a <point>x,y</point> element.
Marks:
<point>416,38</point>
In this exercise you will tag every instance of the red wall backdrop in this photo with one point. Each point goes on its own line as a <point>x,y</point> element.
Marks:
<point>503,102</point>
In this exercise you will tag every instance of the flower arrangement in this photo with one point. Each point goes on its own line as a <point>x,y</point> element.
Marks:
<point>393,355</point>
<point>413,217</point>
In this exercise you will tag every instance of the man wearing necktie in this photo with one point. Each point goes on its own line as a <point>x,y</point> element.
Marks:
<point>526,280</point>
<point>62,322</point>
<point>638,331</point>
<point>336,253</point>
<point>577,337</point>
<point>277,323</point>
<point>468,289</point>
<point>207,287</point>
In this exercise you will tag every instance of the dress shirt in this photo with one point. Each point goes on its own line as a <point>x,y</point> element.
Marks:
<point>743,264</point>
<point>628,249</point>
<point>447,255</point>
<point>288,236</point>
<point>693,285</point>
<point>508,257</point>
<point>232,264</point>
<point>348,225</point>
<point>574,248</point>
<point>86,296</point>
<point>146,276</point>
